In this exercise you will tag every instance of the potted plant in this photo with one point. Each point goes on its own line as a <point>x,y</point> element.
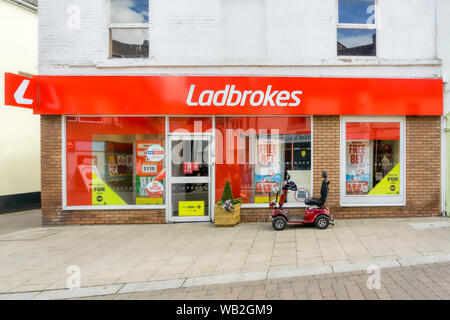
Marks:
<point>227,212</point>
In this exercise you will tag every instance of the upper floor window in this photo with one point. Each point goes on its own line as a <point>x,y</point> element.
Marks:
<point>129,28</point>
<point>356,28</point>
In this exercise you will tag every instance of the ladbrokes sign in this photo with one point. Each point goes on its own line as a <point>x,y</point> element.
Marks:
<point>216,95</point>
<point>232,97</point>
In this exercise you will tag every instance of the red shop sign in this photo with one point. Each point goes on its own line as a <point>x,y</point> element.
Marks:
<point>20,91</point>
<point>223,95</point>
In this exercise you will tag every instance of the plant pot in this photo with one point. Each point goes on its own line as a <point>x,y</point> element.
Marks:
<point>223,218</point>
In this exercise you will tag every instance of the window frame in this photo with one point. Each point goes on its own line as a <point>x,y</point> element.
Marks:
<point>364,26</point>
<point>65,207</point>
<point>164,206</point>
<point>372,200</point>
<point>124,26</point>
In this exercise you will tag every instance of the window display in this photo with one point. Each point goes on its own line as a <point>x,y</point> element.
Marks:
<point>115,161</point>
<point>373,155</point>
<point>256,154</point>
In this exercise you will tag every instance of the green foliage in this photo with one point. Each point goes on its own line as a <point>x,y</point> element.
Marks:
<point>227,194</point>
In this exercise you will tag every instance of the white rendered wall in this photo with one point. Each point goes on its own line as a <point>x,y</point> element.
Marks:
<point>19,128</point>
<point>276,37</point>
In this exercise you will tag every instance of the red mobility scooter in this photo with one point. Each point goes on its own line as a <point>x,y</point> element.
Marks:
<point>315,213</point>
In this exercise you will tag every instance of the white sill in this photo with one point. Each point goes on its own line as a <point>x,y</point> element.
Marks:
<point>266,205</point>
<point>128,207</point>
<point>374,203</point>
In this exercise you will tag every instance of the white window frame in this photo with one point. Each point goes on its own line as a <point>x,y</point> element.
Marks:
<point>65,207</point>
<point>372,200</point>
<point>124,26</point>
<point>373,26</point>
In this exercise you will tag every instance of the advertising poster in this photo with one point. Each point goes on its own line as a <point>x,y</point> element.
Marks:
<point>102,194</point>
<point>267,169</point>
<point>150,171</point>
<point>358,168</point>
<point>302,179</point>
<point>113,168</point>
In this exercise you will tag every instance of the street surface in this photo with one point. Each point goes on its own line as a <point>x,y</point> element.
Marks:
<point>419,283</point>
<point>251,260</point>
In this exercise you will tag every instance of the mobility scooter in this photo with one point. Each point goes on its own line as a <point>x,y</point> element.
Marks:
<point>315,213</point>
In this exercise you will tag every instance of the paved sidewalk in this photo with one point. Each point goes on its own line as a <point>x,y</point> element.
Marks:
<point>37,259</point>
<point>11,222</point>
<point>422,282</point>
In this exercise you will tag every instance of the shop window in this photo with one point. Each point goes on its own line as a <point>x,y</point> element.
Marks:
<point>372,162</point>
<point>356,29</point>
<point>129,28</point>
<point>257,153</point>
<point>115,161</point>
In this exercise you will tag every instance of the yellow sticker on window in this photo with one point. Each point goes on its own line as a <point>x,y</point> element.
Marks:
<point>145,200</point>
<point>390,184</point>
<point>102,194</point>
<point>262,199</point>
<point>191,208</point>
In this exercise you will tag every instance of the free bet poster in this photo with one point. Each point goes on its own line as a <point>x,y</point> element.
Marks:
<point>357,181</point>
<point>267,169</point>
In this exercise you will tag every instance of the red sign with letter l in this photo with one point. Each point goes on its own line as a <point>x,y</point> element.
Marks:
<point>20,91</point>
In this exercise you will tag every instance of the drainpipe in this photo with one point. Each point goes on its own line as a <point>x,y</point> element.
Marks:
<point>444,131</point>
<point>24,4</point>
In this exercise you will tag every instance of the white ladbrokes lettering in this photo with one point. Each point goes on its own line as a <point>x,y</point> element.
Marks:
<point>232,97</point>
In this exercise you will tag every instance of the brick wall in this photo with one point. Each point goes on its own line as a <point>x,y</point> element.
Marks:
<point>51,196</point>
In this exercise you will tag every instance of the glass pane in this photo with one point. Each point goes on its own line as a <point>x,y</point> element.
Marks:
<point>373,158</point>
<point>357,11</point>
<point>356,42</point>
<point>190,158</point>
<point>192,124</point>
<point>115,160</point>
<point>129,11</point>
<point>190,199</point>
<point>257,153</point>
<point>129,43</point>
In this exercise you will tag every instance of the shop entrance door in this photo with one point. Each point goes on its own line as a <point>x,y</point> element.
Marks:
<point>190,178</point>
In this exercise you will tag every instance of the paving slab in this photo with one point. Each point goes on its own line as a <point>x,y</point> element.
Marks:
<point>37,258</point>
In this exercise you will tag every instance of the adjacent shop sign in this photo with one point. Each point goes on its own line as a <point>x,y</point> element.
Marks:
<point>224,95</point>
<point>20,91</point>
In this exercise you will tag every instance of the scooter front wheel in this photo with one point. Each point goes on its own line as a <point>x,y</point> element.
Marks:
<point>279,223</point>
<point>322,222</point>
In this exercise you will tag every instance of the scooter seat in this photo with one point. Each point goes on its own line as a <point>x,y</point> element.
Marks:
<point>314,202</point>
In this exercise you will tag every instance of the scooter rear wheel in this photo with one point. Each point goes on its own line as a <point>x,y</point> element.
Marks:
<point>279,223</point>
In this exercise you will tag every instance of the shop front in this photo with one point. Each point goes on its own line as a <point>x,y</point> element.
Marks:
<point>159,149</point>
